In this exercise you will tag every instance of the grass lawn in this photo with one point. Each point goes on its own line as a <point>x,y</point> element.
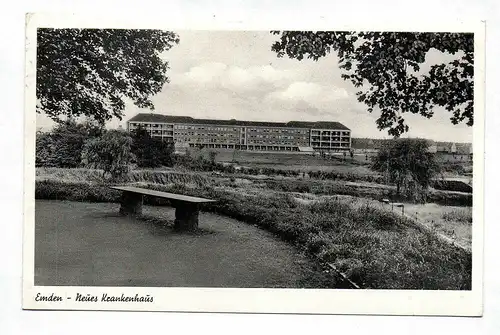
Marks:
<point>89,244</point>
<point>290,161</point>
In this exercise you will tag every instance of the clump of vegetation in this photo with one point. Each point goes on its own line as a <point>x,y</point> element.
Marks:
<point>110,152</point>
<point>408,165</point>
<point>75,191</point>
<point>459,215</point>
<point>134,176</point>
<point>376,193</point>
<point>151,152</point>
<point>346,176</point>
<point>376,248</point>
<point>455,168</point>
<point>63,146</point>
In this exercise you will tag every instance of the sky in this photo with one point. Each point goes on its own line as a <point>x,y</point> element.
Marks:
<point>235,75</point>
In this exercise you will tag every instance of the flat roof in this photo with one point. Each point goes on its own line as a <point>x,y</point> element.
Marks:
<point>161,118</point>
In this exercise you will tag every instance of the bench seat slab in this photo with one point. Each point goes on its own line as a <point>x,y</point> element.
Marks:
<point>131,203</point>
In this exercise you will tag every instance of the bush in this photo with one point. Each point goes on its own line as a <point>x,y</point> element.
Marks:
<point>110,152</point>
<point>63,146</point>
<point>408,164</point>
<point>462,215</point>
<point>54,190</point>
<point>151,152</point>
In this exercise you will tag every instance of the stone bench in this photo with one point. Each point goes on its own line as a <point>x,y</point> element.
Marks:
<point>186,207</point>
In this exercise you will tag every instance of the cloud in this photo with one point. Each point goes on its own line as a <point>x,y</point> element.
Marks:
<point>205,73</point>
<point>314,97</point>
<point>311,92</point>
<point>234,78</point>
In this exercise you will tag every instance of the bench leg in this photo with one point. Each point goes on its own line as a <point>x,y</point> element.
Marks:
<point>131,203</point>
<point>186,217</point>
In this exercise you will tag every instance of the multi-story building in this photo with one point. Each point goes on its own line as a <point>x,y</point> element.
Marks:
<point>245,135</point>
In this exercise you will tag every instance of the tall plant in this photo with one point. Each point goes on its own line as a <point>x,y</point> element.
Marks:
<point>408,164</point>
<point>110,152</point>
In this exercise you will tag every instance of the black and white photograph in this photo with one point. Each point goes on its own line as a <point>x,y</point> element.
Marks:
<point>325,161</point>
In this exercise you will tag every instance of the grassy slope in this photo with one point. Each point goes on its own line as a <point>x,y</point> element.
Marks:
<point>375,248</point>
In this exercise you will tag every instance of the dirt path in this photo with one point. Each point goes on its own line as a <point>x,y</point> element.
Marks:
<point>81,244</point>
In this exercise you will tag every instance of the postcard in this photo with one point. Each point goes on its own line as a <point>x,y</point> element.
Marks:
<point>219,167</point>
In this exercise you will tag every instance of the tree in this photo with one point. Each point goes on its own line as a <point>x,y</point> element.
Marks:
<point>408,164</point>
<point>151,152</point>
<point>45,150</point>
<point>91,71</point>
<point>111,152</point>
<point>385,66</point>
<point>63,146</point>
<point>212,155</point>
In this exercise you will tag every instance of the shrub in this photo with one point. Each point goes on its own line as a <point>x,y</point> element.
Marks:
<point>150,152</point>
<point>462,215</point>
<point>408,165</point>
<point>110,152</point>
<point>63,146</point>
<point>54,190</point>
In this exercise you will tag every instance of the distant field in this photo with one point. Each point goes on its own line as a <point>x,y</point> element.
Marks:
<point>452,158</point>
<point>292,161</point>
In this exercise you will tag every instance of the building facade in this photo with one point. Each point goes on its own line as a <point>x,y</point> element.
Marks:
<point>245,135</point>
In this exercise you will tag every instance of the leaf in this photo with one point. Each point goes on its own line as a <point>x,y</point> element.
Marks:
<point>380,66</point>
<point>91,71</point>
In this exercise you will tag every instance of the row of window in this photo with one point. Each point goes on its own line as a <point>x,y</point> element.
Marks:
<point>333,139</point>
<point>164,132</point>
<point>211,140</point>
<point>278,130</point>
<point>149,125</point>
<point>329,136</point>
<point>205,135</point>
<point>233,129</point>
<point>328,133</point>
<point>285,137</point>
<point>277,142</point>
<point>330,145</point>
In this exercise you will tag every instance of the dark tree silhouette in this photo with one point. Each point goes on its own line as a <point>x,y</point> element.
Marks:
<point>151,152</point>
<point>63,146</point>
<point>408,164</point>
<point>385,66</point>
<point>91,71</point>
<point>110,152</point>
